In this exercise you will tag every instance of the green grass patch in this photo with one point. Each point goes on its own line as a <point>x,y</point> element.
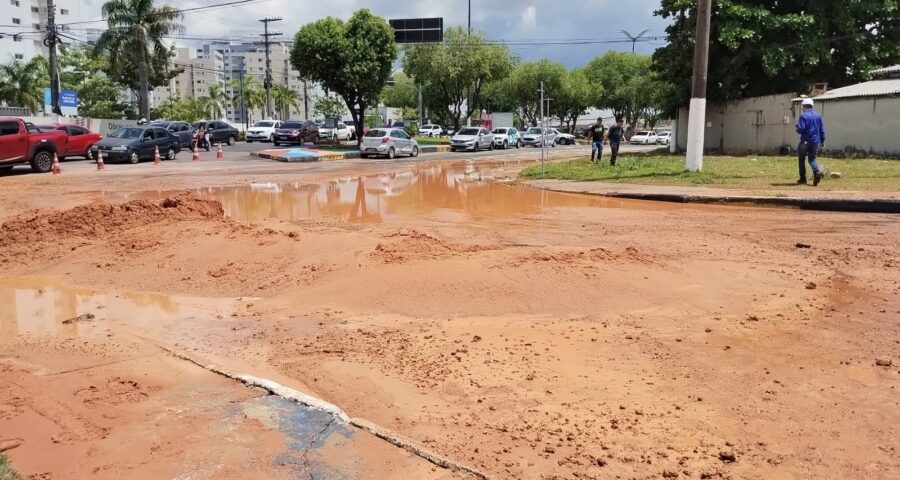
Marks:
<point>6,471</point>
<point>726,172</point>
<point>433,140</point>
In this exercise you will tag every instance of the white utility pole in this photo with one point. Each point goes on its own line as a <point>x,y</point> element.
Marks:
<point>697,117</point>
<point>541,89</point>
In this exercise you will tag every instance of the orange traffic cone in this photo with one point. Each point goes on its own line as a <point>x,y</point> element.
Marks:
<point>156,158</point>
<point>220,155</point>
<point>55,167</point>
<point>196,157</point>
<point>100,165</point>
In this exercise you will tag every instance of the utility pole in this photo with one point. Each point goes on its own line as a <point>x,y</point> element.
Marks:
<point>697,113</point>
<point>470,17</point>
<point>421,115</point>
<point>305,101</point>
<point>541,90</point>
<point>243,103</point>
<point>267,83</point>
<point>50,41</point>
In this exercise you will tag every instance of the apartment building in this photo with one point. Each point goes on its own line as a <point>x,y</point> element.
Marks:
<point>25,23</point>
<point>200,72</point>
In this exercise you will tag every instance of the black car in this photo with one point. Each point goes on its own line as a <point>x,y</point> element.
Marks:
<point>183,130</point>
<point>218,132</point>
<point>294,131</point>
<point>133,144</point>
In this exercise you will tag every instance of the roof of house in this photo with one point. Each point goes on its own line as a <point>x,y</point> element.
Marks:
<point>889,87</point>
<point>886,70</point>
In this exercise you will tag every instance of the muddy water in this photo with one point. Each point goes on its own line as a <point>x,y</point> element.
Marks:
<point>40,306</point>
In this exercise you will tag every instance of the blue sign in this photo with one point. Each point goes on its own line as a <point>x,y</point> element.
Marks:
<point>68,102</point>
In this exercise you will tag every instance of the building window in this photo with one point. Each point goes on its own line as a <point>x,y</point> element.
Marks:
<point>15,3</point>
<point>35,10</point>
<point>37,26</point>
<point>63,11</point>
<point>17,21</point>
<point>17,38</point>
<point>19,56</point>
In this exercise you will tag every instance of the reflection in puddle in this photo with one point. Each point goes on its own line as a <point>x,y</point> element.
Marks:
<point>386,197</point>
<point>41,307</point>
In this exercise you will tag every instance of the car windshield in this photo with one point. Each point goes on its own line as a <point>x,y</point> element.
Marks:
<point>536,131</point>
<point>292,125</point>
<point>160,124</point>
<point>376,133</point>
<point>127,133</point>
<point>500,130</point>
<point>428,127</point>
<point>643,134</point>
<point>468,131</point>
<point>264,124</point>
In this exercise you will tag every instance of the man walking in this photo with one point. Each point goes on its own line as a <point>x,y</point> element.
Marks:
<point>812,136</point>
<point>597,135</point>
<point>615,136</point>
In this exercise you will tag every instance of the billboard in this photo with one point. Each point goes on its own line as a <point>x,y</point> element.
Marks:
<point>68,102</point>
<point>418,30</point>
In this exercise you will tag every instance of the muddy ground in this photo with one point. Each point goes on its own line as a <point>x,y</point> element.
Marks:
<point>528,334</point>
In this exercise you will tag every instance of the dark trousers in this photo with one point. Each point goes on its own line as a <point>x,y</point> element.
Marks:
<point>808,151</point>
<point>614,149</point>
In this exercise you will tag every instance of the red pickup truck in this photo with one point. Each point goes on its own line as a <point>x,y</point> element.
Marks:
<point>23,143</point>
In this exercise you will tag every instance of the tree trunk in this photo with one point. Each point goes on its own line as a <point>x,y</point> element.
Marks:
<point>143,75</point>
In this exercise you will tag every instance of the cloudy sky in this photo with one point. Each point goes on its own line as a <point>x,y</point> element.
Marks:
<point>558,22</point>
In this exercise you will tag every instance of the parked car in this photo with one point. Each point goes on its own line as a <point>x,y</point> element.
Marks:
<point>133,144</point>
<point>431,130</point>
<point>342,132</point>
<point>646,137</point>
<point>533,137</point>
<point>263,131</point>
<point>79,141</point>
<point>664,138</point>
<point>219,132</point>
<point>23,143</point>
<point>564,138</point>
<point>472,138</point>
<point>183,130</point>
<point>505,137</point>
<point>296,132</point>
<point>388,142</point>
<point>450,130</point>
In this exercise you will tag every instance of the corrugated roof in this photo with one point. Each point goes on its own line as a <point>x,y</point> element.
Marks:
<point>886,70</point>
<point>875,88</point>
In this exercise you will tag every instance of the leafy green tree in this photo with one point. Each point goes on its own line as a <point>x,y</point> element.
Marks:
<point>352,59</point>
<point>134,37</point>
<point>22,83</point>
<point>400,93</point>
<point>187,110</point>
<point>521,87</point>
<point>81,69</point>
<point>623,82</point>
<point>762,47</point>
<point>329,107</point>
<point>218,98</point>
<point>457,72</point>
<point>285,100</point>
<point>573,98</point>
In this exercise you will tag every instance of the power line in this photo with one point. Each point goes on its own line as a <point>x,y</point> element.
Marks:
<point>182,11</point>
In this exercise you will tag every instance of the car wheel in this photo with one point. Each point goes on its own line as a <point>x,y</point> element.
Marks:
<point>505,144</point>
<point>491,146</point>
<point>364,155</point>
<point>42,162</point>
<point>452,149</point>
<point>415,152</point>
<point>249,141</point>
<point>271,138</point>
<point>170,153</point>
<point>89,154</point>
<point>231,141</point>
<point>391,153</point>
<point>134,157</point>
<point>275,142</point>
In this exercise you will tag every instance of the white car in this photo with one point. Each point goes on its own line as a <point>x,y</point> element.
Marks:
<point>472,138</point>
<point>533,138</point>
<point>431,131</point>
<point>564,138</point>
<point>388,142</point>
<point>646,137</point>
<point>664,138</point>
<point>262,131</point>
<point>342,132</point>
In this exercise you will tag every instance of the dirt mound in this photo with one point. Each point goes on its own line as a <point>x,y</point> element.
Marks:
<point>594,255</point>
<point>102,220</point>
<point>412,245</point>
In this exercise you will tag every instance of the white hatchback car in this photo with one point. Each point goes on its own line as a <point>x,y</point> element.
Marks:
<point>431,131</point>
<point>388,142</point>
<point>644,138</point>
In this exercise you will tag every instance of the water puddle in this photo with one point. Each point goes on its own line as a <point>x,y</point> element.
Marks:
<point>383,198</point>
<point>35,306</point>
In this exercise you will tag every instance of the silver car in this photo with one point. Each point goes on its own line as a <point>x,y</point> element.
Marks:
<point>388,142</point>
<point>533,137</point>
<point>472,138</point>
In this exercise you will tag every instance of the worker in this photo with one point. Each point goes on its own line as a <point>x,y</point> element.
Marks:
<point>812,138</point>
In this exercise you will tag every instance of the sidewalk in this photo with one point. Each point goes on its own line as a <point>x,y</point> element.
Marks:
<point>807,198</point>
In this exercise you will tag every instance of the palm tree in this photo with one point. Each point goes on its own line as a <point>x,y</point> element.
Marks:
<point>22,84</point>
<point>285,100</point>
<point>254,95</point>
<point>135,30</point>
<point>218,98</point>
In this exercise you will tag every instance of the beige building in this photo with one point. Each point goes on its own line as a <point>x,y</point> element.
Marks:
<point>200,73</point>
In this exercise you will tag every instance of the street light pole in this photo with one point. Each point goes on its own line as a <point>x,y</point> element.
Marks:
<point>697,112</point>
<point>634,38</point>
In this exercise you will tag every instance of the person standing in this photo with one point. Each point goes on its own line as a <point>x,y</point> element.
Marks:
<point>615,136</point>
<point>812,137</point>
<point>597,135</point>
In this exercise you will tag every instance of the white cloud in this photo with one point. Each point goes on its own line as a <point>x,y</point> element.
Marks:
<point>529,18</point>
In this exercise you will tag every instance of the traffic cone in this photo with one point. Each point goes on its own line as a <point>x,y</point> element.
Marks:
<point>55,167</point>
<point>196,157</point>
<point>100,165</point>
<point>220,155</point>
<point>156,158</point>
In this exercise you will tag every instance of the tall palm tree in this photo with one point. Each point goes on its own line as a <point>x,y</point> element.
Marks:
<point>254,95</point>
<point>135,29</point>
<point>285,100</point>
<point>22,84</point>
<point>218,98</point>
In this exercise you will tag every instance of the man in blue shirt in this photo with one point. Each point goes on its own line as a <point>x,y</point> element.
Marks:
<point>615,136</point>
<point>812,136</point>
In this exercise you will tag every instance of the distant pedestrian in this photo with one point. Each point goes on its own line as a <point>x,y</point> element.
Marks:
<point>616,135</point>
<point>812,137</point>
<point>597,134</point>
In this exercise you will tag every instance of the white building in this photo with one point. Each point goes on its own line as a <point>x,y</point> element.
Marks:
<point>198,75</point>
<point>26,24</point>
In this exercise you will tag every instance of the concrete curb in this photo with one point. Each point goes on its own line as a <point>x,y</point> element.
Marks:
<point>277,389</point>
<point>339,155</point>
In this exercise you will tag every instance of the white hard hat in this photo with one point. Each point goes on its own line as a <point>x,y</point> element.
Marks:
<point>807,101</point>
